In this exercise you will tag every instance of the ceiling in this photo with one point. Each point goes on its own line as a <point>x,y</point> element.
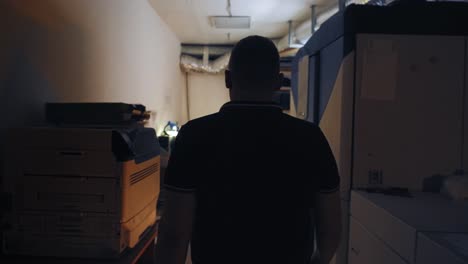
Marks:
<point>190,19</point>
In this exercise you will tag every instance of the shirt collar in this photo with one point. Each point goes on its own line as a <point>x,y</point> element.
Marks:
<point>233,105</point>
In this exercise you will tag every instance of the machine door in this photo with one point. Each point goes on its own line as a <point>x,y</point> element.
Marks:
<point>409,107</point>
<point>314,87</point>
<point>465,114</point>
<point>302,88</point>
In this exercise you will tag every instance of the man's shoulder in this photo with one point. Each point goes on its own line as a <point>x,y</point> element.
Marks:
<point>201,123</point>
<point>304,131</point>
<point>298,123</point>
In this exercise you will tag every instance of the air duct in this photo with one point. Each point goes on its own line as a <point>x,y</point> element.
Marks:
<point>191,64</point>
<point>199,58</point>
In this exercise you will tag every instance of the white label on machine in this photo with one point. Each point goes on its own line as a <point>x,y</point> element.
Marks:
<point>379,70</point>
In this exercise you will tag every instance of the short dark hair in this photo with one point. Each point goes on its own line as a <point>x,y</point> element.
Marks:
<point>254,61</point>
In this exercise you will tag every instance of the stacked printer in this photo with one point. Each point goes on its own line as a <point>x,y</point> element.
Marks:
<point>388,87</point>
<point>86,185</point>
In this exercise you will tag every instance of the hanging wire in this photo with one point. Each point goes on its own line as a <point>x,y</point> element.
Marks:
<point>228,8</point>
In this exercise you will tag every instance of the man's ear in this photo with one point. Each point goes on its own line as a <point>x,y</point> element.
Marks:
<point>227,79</point>
<point>279,82</point>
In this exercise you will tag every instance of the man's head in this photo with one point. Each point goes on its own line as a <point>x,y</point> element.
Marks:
<point>254,71</point>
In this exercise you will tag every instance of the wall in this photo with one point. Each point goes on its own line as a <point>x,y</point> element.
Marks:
<point>90,51</point>
<point>207,93</point>
<point>74,50</point>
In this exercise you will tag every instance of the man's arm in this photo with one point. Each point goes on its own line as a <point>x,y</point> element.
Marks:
<point>328,220</point>
<point>175,228</point>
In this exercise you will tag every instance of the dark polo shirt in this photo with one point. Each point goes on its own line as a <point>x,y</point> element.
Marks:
<point>254,172</point>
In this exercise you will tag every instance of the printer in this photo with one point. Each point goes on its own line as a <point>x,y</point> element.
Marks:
<point>81,191</point>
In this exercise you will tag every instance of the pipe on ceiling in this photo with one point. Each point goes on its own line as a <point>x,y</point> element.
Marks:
<point>197,50</point>
<point>302,32</point>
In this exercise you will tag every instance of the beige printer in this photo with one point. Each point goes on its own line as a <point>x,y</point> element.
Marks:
<point>81,192</point>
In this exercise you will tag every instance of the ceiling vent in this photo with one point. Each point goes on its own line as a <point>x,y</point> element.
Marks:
<point>235,22</point>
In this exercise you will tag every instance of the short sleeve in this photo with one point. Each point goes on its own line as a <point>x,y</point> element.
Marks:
<point>179,174</point>
<point>328,177</point>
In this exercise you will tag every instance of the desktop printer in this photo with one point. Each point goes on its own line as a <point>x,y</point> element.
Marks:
<point>81,192</point>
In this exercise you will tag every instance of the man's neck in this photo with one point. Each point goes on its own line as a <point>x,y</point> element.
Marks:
<point>248,96</point>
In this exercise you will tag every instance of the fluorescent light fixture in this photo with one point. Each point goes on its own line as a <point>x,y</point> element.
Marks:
<point>236,22</point>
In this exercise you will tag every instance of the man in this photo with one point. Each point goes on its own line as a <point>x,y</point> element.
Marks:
<point>247,184</point>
